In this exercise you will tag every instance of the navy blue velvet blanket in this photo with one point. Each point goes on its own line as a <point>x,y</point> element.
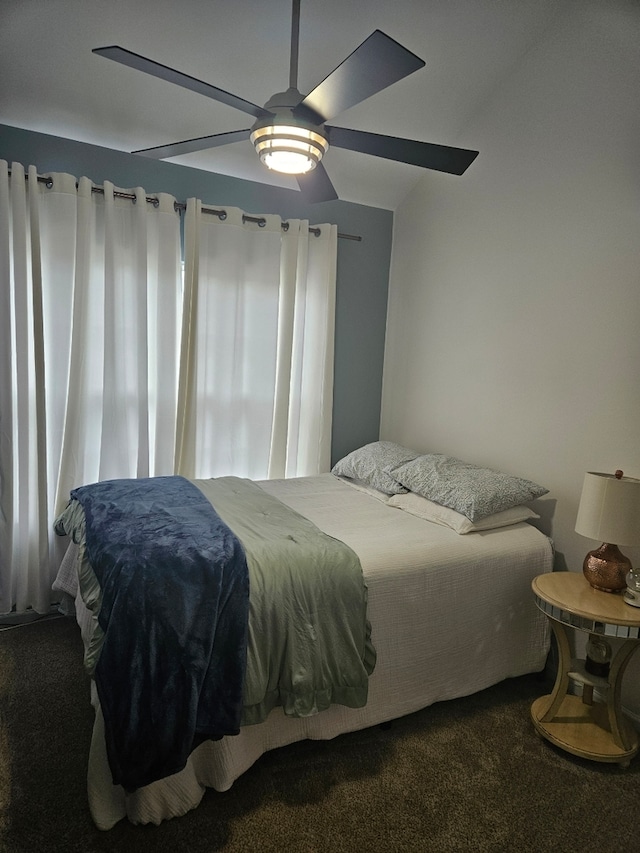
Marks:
<point>175,599</point>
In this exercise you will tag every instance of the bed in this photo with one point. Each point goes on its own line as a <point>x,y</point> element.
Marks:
<point>450,612</point>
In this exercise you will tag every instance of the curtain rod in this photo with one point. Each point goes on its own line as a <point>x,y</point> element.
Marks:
<point>180,205</point>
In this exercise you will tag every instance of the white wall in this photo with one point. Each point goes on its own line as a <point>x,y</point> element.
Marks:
<point>514,311</point>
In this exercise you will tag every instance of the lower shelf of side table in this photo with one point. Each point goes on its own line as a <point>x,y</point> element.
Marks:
<point>583,730</point>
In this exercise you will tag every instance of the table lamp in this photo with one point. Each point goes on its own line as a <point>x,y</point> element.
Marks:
<point>609,510</point>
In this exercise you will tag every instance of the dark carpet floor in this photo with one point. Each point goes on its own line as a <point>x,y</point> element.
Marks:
<point>466,775</point>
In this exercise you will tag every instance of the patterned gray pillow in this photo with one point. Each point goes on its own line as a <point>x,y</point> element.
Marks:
<point>370,465</point>
<point>473,491</point>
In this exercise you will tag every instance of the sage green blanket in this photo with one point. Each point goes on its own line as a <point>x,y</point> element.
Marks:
<point>309,642</point>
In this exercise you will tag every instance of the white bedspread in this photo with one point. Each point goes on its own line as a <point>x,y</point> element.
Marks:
<point>450,615</point>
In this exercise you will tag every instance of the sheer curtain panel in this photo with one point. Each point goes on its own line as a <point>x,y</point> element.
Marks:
<point>256,379</point>
<point>120,408</point>
<point>230,335</point>
<point>24,468</point>
<point>89,329</point>
<point>303,402</point>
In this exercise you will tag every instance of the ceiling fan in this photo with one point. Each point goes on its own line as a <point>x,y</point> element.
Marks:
<point>290,133</point>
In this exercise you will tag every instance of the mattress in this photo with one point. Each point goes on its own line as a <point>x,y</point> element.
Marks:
<point>450,614</point>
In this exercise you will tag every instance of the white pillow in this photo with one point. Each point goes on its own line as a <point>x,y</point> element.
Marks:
<point>362,487</point>
<point>430,511</point>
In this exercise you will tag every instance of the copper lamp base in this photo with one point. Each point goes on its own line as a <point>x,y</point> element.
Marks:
<point>606,568</point>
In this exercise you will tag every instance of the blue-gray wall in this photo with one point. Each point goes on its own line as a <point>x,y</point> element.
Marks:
<point>363,267</point>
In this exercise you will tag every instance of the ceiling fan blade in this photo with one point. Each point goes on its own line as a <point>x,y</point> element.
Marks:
<point>140,63</point>
<point>376,64</point>
<point>442,158</point>
<point>316,185</point>
<point>200,143</point>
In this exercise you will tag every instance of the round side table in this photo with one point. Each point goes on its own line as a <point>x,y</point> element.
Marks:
<point>590,729</point>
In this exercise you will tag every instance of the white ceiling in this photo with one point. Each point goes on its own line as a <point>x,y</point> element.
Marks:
<point>52,83</point>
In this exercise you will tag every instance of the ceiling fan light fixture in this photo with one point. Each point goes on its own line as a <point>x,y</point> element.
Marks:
<point>290,149</point>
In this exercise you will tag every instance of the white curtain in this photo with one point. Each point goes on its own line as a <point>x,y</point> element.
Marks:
<point>303,402</point>
<point>257,362</point>
<point>119,412</point>
<point>89,320</point>
<point>109,368</point>
<point>24,469</point>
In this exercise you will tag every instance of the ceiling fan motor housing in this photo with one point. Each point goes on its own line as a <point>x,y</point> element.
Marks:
<point>284,142</point>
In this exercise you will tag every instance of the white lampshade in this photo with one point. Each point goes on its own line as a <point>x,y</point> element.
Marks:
<point>609,509</point>
<point>291,149</point>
